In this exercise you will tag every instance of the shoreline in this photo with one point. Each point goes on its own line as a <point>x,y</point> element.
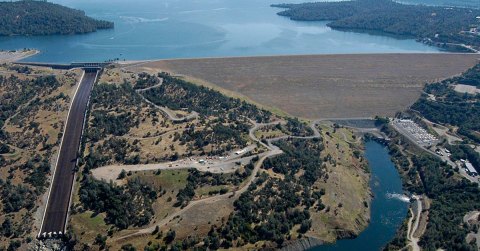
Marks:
<point>9,56</point>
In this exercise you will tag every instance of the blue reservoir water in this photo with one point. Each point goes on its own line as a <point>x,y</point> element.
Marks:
<point>156,29</point>
<point>388,207</point>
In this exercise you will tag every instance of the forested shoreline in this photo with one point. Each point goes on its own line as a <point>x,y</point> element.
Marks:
<point>448,28</point>
<point>43,18</point>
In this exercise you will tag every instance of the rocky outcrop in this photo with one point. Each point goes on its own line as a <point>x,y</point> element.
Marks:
<point>48,245</point>
<point>302,244</point>
<point>345,234</point>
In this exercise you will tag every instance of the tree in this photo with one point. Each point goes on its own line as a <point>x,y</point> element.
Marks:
<point>170,236</point>
<point>7,229</point>
<point>122,175</point>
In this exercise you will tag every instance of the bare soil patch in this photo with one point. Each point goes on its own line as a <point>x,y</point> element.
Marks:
<point>466,89</point>
<point>323,86</point>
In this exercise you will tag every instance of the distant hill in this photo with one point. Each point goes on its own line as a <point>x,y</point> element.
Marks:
<point>450,28</point>
<point>44,18</point>
<point>457,3</point>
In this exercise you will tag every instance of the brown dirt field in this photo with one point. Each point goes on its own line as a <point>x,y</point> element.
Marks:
<point>323,86</point>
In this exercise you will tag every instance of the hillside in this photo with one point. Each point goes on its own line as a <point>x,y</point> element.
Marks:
<point>323,86</point>
<point>449,28</point>
<point>33,106</point>
<point>44,18</point>
<point>183,184</point>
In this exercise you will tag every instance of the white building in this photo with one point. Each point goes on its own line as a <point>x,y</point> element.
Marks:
<point>470,169</point>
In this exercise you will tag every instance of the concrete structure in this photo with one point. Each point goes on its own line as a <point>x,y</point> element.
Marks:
<point>85,65</point>
<point>55,216</point>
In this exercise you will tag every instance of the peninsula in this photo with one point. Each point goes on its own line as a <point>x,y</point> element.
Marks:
<point>33,18</point>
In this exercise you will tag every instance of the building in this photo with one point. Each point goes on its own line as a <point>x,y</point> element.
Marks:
<point>470,169</point>
<point>240,152</point>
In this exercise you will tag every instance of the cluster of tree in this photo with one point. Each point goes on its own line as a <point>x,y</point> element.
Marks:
<point>20,100</point>
<point>177,94</point>
<point>16,197</point>
<point>452,108</point>
<point>112,149</point>
<point>296,127</point>
<point>268,211</point>
<point>216,134</point>
<point>105,123</point>
<point>43,18</point>
<point>470,77</point>
<point>451,200</point>
<point>298,155</point>
<point>107,98</point>
<point>464,151</point>
<point>448,3</point>
<point>39,169</point>
<point>17,92</point>
<point>145,80</point>
<point>4,148</point>
<point>272,207</point>
<point>439,25</point>
<point>12,246</point>
<point>198,179</point>
<point>128,205</point>
<point>20,69</point>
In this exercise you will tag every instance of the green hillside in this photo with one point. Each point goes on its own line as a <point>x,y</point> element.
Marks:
<point>44,18</point>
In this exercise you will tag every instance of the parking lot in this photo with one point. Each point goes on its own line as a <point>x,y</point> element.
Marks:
<point>416,133</point>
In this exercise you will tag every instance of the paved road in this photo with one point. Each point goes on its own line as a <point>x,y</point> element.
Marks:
<point>170,114</point>
<point>59,196</point>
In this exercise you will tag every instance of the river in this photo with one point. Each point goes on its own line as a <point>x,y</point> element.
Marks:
<point>152,29</point>
<point>388,208</point>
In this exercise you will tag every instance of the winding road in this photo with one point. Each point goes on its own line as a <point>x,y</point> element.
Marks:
<point>413,226</point>
<point>272,151</point>
<point>169,113</point>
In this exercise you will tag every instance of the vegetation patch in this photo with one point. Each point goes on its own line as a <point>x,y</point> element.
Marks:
<point>32,113</point>
<point>28,17</point>
<point>445,27</point>
<point>451,196</point>
<point>123,205</point>
<point>276,210</point>
<point>452,108</point>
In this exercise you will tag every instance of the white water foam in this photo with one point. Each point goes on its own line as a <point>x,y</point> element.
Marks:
<point>401,197</point>
<point>142,20</point>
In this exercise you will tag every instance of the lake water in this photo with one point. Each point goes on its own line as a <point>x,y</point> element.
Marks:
<point>388,209</point>
<point>157,29</point>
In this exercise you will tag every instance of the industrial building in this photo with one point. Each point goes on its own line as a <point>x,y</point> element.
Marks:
<point>470,169</point>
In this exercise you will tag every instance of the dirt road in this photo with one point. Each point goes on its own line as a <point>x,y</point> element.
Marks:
<point>412,228</point>
<point>272,151</point>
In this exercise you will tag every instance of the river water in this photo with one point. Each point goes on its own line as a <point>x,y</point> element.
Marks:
<point>388,208</point>
<point>157,29</point>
